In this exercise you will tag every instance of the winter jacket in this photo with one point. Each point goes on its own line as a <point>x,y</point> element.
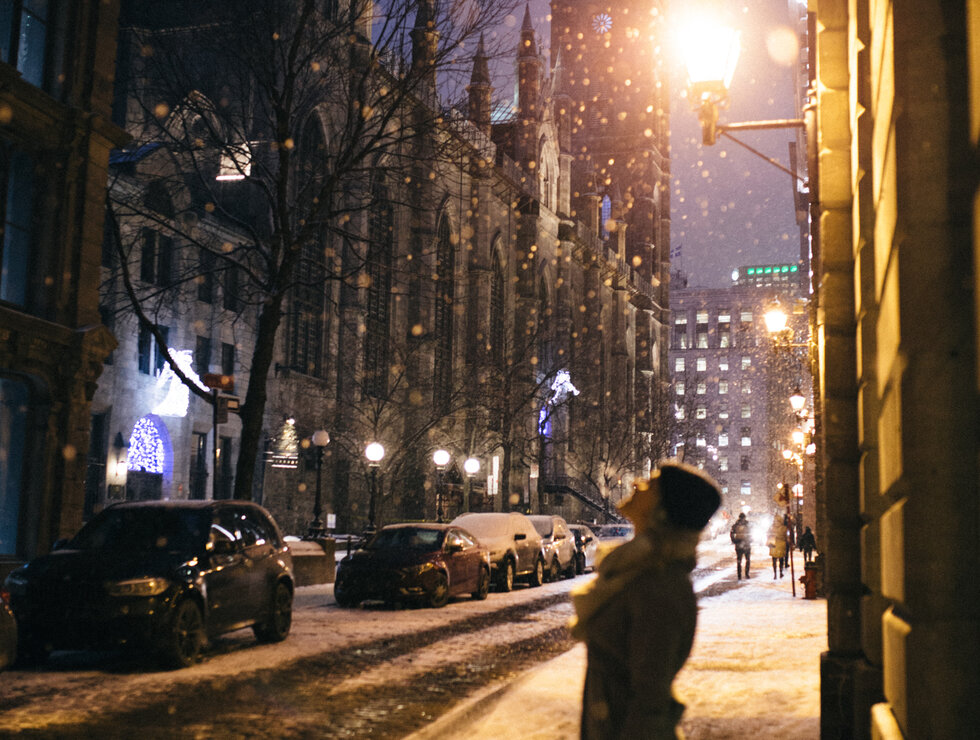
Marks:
<point>638,624</point>
<point>741,535</point>
<point>808,541</point>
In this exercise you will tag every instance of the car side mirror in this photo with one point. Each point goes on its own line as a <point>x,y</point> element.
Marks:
<point>520,536</point>
<point>454,548</point>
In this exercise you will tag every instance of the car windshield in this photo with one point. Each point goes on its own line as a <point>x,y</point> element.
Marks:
<point>406,538</point>
<point>145,529</point>
<point>543,524</point>
<point>485,525</point>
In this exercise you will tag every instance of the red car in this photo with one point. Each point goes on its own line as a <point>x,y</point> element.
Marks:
<point>427,563</point>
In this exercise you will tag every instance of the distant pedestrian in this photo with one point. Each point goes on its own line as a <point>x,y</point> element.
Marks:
<point>777,541</point>
<point>808,543</point>
<point>638,616</point>
<point>741,535</point>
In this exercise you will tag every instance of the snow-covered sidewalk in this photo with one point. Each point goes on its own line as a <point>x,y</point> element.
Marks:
<point>754,672</point>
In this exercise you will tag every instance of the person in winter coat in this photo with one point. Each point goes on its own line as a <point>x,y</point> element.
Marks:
<point>741,535</point>
<point>777,546</point>
<point>638,616</point>
<point>808,543</point>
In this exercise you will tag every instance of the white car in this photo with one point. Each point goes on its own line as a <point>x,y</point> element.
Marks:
<point>514,545</point>
<point>558,545</point>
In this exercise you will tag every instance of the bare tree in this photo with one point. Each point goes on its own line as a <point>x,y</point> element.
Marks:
<point>261,129</point>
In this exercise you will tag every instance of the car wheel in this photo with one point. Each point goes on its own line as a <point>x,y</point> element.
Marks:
<point>343,596</point>
<point>439,592</point>
<point>537,576</point>
<point>31,651</point>
<point>482,585</point>
<point>554,572</point>
<point>572,570</point>
<point>506,581</point>
<point>280,618</point>
<point>183,644</point>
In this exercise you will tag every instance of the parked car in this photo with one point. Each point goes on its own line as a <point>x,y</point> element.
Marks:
<point>514,545</point>
<point>586,546</point>
<point>558,545</point>
<point>160,576</point>
<point>8,633</point>
<point>611,535</point>
<point>427,563</point>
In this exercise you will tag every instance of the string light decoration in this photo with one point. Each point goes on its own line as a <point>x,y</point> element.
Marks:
<point>146,448</point>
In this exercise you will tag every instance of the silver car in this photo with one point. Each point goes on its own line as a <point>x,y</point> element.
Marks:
<point>586,547</point>
<point>558,545</point>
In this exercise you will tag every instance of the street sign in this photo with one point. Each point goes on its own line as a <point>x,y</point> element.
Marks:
<point>219,382</point>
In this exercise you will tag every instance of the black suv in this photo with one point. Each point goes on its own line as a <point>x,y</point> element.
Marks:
<point>160,576</point>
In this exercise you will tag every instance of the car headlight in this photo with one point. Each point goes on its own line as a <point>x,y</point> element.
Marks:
<point>138,587</point>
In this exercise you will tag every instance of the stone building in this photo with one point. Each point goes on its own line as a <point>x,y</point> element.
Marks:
<point>494,292</point>
<point>898,106</point>
<point>731,387</point>
<point>56,69</point>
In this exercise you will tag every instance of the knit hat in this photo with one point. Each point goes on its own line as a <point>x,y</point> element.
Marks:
<point>688,495</point>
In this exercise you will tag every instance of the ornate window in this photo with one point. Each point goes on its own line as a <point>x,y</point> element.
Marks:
<point>378,299</point>
<point>445,293</point>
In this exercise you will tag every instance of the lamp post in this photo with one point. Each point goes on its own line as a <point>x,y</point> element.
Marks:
<point>441,459</point>
<point>374,453</point>
<point>471,466</point>
<point>320,439</point>
<point>712,54</point>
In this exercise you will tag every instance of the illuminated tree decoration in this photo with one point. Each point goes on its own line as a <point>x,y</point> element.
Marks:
<point>176,400</point>
<point>146,449</point>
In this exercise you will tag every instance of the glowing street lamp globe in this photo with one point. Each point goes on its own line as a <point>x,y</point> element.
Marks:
<point>440,458</point>
<point>472,466</point>
<point>374,452</point>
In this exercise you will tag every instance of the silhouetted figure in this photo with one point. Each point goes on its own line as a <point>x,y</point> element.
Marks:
<point>638,616</point>
<point>808,543</point>
<point>742,538</point>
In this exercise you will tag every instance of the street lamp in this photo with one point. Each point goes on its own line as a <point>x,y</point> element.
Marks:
<point>320,439</point>
<point>775,317</point>
<point>441,459</point>
<point>711,55</point>
<point>471,466</point>
<point>374,453</point>
<point>797,401</point>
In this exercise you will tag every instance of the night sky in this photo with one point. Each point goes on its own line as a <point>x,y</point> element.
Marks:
<point>729,207</point>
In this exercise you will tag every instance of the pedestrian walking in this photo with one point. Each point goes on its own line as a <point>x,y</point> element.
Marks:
<point>638,616</point>
<point>808,543</point>
<point>741,535</point>
<point>778,545</point>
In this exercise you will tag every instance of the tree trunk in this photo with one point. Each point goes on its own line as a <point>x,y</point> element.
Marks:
<point>253,409</point>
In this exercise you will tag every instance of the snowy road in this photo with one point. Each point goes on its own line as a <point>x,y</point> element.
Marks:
<point>368,672</point>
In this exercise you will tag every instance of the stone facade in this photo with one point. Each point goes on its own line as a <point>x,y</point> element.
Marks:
<point>516,324</point>
<point>55,137</point>
<point>897,317</point>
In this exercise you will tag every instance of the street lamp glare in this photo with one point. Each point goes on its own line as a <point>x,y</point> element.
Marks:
<point>440,458</point>
<point>797,400</point>
<point>374,452</point>
<point>320,438</point>
<point>710,54</point>
<point>775,318</point>
<point>471,466</point>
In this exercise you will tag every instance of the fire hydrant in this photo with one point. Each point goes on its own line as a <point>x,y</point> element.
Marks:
<point>809,581</point>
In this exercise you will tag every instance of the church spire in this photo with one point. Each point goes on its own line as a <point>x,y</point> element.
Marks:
<point>480,90</point>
